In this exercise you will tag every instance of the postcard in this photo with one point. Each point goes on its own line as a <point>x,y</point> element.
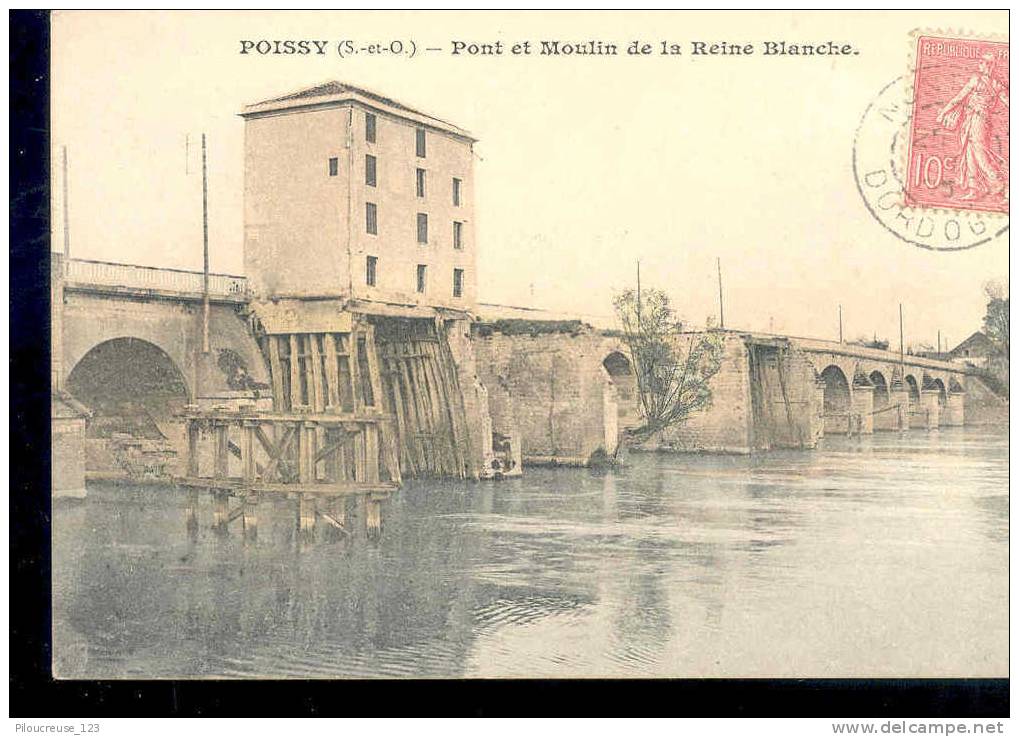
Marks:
<point>529,344</point>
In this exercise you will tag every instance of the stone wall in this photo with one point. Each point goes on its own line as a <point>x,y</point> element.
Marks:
<point>68,457</point>
<point>548,386</point>
<point>476,402</point>
<point>724,426</point>
<point>787,412</point>
<point>68,420</point>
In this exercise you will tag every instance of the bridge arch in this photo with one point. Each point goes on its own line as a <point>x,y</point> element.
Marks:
<point>881,395</point>
<point>131,385</point>
<point>914,389</point>
<point>837,400</point>
<point>620,370</point>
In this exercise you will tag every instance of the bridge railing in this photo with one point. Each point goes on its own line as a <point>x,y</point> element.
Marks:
<point>104,273</point>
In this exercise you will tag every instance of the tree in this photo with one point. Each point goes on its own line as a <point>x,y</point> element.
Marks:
<point>996,317</point>
<point>673,368</point>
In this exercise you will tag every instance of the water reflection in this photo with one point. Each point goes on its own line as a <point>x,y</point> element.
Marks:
<point>884,555</point>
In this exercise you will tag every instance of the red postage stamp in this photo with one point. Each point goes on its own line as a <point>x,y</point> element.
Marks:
<point>958,139</point>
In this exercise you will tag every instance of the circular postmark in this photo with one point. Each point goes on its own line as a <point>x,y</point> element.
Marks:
<point>878,156</point>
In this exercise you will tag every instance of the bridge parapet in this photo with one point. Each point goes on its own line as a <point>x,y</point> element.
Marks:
<point>105,275</point>
<point>814,345</point>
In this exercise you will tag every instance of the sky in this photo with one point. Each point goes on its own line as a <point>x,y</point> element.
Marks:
<point>585,164</point>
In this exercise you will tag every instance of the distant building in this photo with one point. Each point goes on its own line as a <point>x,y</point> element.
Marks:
<point>351,194</point>
<point>977,350</point>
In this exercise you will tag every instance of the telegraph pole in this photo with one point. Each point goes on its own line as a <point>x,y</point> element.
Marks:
<point>939,343</point>
<point>67,223</point>
<point>205,251</point>
<point>902,359</point>
<point>721,308</point>
<point>840,323</point>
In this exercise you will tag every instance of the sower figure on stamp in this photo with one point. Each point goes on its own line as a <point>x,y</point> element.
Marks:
<point>981,170</point>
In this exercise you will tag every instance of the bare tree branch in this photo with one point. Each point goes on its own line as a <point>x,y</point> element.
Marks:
<point>673,369</point>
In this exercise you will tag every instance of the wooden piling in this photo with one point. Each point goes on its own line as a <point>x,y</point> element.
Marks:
<point>316,390</point>
<point>249,468</point>
<point>222,465</point>
<point>371,452</point>
<point>332,376</point>
<point>296,400</point>
<point>355,368</point>
<point>459,406</point>
<point>279,400</point>
<point>402,440</point>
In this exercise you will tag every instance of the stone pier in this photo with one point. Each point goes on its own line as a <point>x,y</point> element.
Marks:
<point>899,396</point>
<point>930,402</point>
<point>862,406</point>
<point>954,409</point>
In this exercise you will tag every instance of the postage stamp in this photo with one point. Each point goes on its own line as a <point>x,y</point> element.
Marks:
<point>959,132</point>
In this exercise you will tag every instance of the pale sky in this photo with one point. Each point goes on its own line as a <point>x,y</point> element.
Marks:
<point>584,164</point>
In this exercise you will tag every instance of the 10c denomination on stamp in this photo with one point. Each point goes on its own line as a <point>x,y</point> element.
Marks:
<point>959,133</point>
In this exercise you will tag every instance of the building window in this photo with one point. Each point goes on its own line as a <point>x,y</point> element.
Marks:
<point>458,234</point>
<point>422,278</point>
<point>369,170</point>
<point>422,228</point>
<point>457,184</point>
<point>421,182</point>
<point>334,167</point>
<point>369,127</point>
<point>458,282</point>
<point>371,266</point>
<point>371,218</point>
<point>421,142</point>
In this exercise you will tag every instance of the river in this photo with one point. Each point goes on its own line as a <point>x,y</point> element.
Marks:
<point>884,555</point>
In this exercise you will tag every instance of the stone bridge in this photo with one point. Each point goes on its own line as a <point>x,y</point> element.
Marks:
<point>118,327</point>
<point>566,390</point>
<point>128,347</point>
<point>788,392</point>
<point>866,389</point>
<point>128,353</point>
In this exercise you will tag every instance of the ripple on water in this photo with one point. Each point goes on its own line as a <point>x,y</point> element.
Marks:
<point>883,555</point>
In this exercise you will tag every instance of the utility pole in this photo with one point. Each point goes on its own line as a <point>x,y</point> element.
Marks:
<point>205,251</point>
<point>939,343</point>
<point>902,343</point>
<point>721,308</point>
<point>67,223</point>
<point>840,323</point>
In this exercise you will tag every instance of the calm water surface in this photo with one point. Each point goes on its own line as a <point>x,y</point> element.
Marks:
<point>878,556</point>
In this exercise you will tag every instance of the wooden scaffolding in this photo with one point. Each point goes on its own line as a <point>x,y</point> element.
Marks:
<point>422,393</point>
<point>327,436</point>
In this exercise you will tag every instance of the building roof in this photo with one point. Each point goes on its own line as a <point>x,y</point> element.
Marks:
<point>332,93</point>
<point>978,341</point>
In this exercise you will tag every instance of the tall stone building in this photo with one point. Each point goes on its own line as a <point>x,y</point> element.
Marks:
<point>350,194</point>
